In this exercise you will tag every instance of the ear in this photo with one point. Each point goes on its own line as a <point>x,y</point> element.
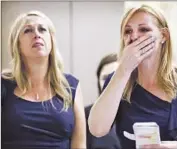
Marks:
<point>165,34</point>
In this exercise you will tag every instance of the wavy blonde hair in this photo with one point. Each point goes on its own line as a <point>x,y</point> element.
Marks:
<point>55,75</point>
<point>167,76</point>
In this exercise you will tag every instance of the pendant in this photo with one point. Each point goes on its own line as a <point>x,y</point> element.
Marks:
<point>37,97</point>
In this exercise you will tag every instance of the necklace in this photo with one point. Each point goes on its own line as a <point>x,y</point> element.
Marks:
<point>48,91</point>
<point>37,97</point>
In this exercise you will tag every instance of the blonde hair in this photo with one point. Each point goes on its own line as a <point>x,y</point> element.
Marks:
<point>55,75</point>
<point>167,76</point>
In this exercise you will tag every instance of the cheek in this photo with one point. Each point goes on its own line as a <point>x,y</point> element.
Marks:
<point>48,42</point>
<point>24,45</point>
<point>158,43</point>
<point>156,33</point>
<point>24,42</point>
<point>158,37</point>
<point>21,45</point>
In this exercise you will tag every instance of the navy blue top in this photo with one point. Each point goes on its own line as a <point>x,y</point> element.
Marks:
<point>109,141</point>
<point>145,107</point>
<point>35,125</point>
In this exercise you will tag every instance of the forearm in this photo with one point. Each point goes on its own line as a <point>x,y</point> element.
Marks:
<point>79,134</point>
<point>105,109</point>
<point>79,145</point>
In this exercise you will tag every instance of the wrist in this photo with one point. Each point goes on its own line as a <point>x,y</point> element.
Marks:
<point>123,72</point>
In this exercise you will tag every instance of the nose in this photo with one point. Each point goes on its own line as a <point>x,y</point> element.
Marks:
<point>37,34</point>
<point>134,36</point>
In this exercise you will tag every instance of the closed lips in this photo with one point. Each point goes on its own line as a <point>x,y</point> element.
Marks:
<point>37,44</point>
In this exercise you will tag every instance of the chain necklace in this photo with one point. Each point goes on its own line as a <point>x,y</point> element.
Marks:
<point>48,91</point>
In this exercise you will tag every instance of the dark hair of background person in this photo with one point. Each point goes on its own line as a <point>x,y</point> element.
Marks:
<point>105,60</point>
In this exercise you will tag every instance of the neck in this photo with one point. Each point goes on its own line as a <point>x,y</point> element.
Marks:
<point>37,71</point>
<point>147,72</point>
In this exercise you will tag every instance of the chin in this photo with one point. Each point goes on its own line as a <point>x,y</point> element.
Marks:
<point>39,56</point>
<point>42,53</point>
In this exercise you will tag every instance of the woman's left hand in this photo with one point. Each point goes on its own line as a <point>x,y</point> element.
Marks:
<point>163,145</point>
<point>155,146</point>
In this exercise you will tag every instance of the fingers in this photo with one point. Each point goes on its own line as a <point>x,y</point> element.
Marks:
<point>153,146</point>
<point>146,53</point>
<point>141,40</point>
<point>146,48</point>
<point>146,43</point>
<point>149,146</point>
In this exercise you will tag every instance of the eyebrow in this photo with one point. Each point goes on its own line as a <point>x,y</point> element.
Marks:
<point>28,25</point>
<point>139,25</point>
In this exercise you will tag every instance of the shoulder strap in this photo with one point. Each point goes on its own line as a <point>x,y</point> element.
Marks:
<point>73,82</point>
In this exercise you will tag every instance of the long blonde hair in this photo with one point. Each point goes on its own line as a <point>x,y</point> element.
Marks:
<point>167,76</point>
<point>55,75</point>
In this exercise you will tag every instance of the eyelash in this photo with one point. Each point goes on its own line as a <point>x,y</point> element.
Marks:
<point>128,31</point>
<point>145,29</point>
<point>28,30</point>
<point>41,29</point>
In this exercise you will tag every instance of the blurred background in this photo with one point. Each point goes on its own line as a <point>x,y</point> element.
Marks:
<point>86,31</point>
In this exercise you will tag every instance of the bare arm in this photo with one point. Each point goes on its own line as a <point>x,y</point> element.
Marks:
<point>100,121</point>
<point>79,134</point>
<point>105,108</point>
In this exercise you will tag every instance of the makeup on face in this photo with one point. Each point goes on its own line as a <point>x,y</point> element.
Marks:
<point>141,24</point>
<point>32,28</point>
<point>35,38</point>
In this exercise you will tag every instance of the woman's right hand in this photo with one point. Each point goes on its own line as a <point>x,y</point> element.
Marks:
<point>110,98</point>
<point>134,53</point>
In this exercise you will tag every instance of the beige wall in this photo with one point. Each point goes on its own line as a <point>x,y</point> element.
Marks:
<point>57,11</point>
<point>86,31</point>
<point>95,34</point>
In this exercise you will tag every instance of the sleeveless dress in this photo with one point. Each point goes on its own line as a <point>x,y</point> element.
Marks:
<point>35,125</point>
<point>145,107</point>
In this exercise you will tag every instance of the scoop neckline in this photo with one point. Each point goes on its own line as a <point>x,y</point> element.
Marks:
<point>156,97</point>
<point>23,99</point>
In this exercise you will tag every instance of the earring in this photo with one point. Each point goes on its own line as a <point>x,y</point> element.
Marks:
<point>162,42</point>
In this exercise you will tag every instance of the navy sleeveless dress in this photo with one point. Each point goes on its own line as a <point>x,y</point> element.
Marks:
<point>145,107</point>
<point>35,125</point>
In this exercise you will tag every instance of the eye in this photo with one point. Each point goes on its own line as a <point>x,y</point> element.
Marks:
<point>42,29</point>
<point>28,30</point>
<point>144,29</point>
<point>128,31</point>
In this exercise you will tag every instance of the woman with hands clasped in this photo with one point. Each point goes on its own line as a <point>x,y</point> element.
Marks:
<point>143,87</point>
